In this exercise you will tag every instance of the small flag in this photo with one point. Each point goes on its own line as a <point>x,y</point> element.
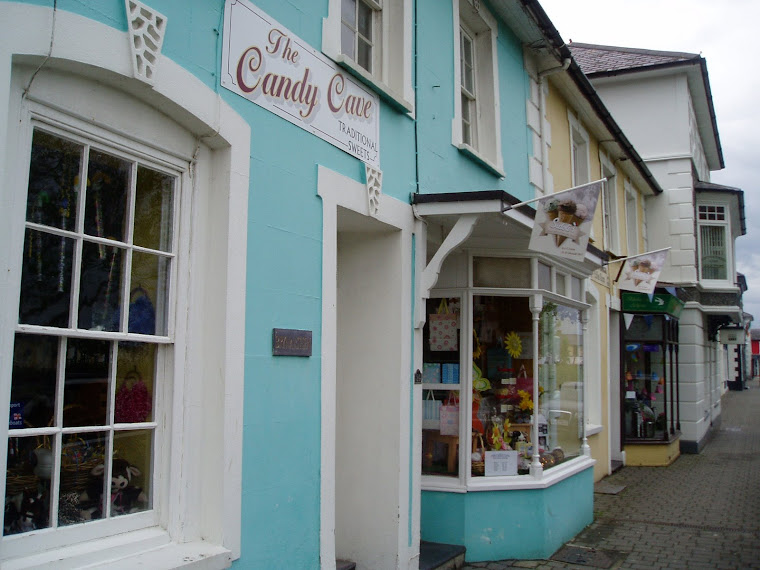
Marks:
<point>563,221</point>
<point>640,272</point>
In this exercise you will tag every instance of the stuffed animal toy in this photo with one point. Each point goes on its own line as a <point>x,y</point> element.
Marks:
<point>125,498</point>
<point>24,512</point>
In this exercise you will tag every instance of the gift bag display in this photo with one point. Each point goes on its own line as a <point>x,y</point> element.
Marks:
<point>443,329</point>
<point>431,412</point>
<point>450,416</point>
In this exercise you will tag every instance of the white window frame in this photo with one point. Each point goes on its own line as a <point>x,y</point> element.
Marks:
<point>610,221</point>
<point>631,219</point>
<point>466,482</point>
<point>580,160</point>
<point>391,75</point>
<point>201,131</point>
<point>485,147</point>
<point>376,11</point>
<point>63,126</point>
<point>725,223</point>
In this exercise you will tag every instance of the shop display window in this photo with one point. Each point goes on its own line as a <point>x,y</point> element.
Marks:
<point>92,335</point>
<point>503,374</point>
<point>648,377</point>
<point>441,387</point>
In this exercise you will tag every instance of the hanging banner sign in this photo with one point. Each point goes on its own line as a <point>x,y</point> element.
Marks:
<point>563,221</point>
<point>268,65</point>
<point>640,272</point>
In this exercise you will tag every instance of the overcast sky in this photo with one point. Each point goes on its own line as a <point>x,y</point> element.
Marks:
<point>725,33</point>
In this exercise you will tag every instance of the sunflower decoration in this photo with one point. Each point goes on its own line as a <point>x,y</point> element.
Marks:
<point>526,402</point>
<point>513,344</point>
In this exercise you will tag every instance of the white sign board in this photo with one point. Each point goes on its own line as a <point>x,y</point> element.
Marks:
<point>500,463</point>
<point>268,65</point>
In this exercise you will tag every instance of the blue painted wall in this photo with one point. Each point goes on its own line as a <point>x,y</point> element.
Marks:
<point>523,524</point>
<point>443,168</point>
<point>281,436</point>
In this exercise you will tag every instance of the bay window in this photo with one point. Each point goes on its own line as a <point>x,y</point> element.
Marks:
<point>503,372</point>
<point>714,256</point>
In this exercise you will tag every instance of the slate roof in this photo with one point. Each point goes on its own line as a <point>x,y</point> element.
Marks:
<point>604,59</point>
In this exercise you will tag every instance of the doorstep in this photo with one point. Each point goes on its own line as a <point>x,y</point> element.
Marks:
<point>437,556</point>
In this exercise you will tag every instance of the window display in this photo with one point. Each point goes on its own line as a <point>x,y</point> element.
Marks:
<point>520,398</point>
<point>441,378</point>
<point>649,365</point>
<point>92,321</point>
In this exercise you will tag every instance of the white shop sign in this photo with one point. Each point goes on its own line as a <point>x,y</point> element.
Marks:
<point>268,65</point>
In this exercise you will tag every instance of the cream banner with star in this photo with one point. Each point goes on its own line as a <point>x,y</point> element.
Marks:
<point>563,221</point>
<point>640,273</point>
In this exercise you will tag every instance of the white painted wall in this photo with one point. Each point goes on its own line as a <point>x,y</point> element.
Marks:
<point>661,131</point>
<point>370,476</point>
<point>368,423</point>
<point>670,220</point>
<point>695,403</point>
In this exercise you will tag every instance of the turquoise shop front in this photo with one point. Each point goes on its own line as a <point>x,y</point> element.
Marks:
<point>522,524</point>
<point>506,467</point>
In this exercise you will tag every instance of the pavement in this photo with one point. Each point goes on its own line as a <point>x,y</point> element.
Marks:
<point>701,512</point>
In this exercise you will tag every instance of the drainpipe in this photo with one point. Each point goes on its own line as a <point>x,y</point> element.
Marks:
<point>541,111</point>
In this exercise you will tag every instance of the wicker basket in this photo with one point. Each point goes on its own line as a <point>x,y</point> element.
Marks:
<point>16,483</point>
<point>478,467</point>
<point>75,477</point>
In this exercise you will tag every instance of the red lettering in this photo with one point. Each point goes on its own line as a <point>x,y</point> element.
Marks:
<point>335,89</point>
<point>253,63</point>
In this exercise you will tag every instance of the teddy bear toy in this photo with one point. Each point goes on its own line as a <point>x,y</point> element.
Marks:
<point>125,497</point>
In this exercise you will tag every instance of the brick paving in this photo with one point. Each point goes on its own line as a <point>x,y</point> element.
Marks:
<point>701,512</point>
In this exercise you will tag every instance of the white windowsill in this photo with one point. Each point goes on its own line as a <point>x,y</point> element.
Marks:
<point>384,91</point>
<point>148,548</point>
<point>518,482</point>
<point>480,159</point>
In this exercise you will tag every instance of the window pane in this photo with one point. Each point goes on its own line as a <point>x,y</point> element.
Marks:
<point>27,484</point>
<point>502,371</point>
<point>561,284</point>
<point>34,379</point>
<point>440,355</point>
<point>347,40</point>
<point>466,121</point>
<point>348,11</point>
<point>544,277</point>
<point>83,493</point>
<point>132,472</point>
<point>644,383</point>
<point>561,379</point>
<point>46,279</point>
<point>53,181</point>
<point>501,272</point>
<point>100,287</point>
<point>147,301</point>
<point>467,64</point>
<point>154,200</point>
<point>107,192</point>
<point>714,255</point>
<point>365,55</point>
<point>575,284</point>
<point>85,396</point>
<point>135,379</point>
<point>364,21</point>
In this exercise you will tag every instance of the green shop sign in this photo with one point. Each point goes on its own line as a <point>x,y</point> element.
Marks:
<point>661,303</point>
